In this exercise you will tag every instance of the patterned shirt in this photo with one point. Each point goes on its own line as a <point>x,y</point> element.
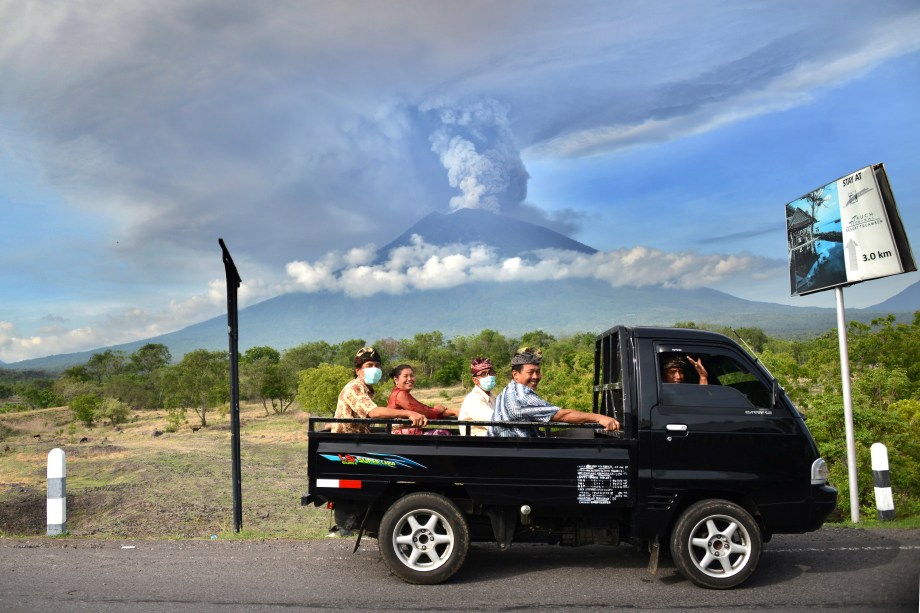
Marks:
<point>356,400</point>
<point>517,402</point>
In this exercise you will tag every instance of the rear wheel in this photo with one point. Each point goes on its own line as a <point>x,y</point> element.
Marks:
<point>716,544</point>
<point>424,538</point>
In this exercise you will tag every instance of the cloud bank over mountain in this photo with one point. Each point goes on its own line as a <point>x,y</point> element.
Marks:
<point>423,266</point>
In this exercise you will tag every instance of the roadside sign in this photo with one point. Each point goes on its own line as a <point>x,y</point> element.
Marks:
<point>840,234</point>
<point>845,232</point>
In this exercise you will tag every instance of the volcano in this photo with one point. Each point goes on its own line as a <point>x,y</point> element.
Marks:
<point>562,306</point>
<point>509,237</point>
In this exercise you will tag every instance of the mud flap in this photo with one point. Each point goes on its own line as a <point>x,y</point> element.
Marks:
<point>361,529</point>
<point>504,523</point>
<point>654,548</point>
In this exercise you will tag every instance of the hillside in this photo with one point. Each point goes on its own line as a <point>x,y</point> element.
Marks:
<point>906,301</point>
<point>559,307</point>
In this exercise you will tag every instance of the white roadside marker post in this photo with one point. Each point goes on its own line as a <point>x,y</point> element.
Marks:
<point>57,493</point>
<point>884,499</point>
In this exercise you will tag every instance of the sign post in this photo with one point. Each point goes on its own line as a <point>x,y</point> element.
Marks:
<point>847,406</point>
<point>843,233</point>
<point>233,283</point>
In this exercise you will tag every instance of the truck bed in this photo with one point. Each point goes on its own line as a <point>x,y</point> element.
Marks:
<point>573,467</point>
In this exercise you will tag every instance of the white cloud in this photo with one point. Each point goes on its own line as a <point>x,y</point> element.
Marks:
<point>874,44</point>
<point>126,324</point>
<point>421,266</point>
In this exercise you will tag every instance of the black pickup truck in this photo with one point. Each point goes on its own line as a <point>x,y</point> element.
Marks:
<point>711,470</point>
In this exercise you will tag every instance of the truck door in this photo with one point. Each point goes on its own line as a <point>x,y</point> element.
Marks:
<point>727,435</point>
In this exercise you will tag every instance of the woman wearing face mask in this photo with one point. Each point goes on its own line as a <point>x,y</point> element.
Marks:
<point>356,400</point>
<point>401,398</point>
<point>479,404</point>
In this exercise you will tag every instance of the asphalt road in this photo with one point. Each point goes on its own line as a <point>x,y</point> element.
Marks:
<point>834,568</point>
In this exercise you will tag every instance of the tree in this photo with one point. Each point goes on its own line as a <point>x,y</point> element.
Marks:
<point>487,344</point>
<point>106,364</point>
<point>425,347</point>
<point>577,343</point>
<point>451,371</point>
<point>755,338</point>
<point>538,339</point>
<point>344,352</point>
<point>85,407</point>
<point>262,353</point>
<point>568,382</point>
<point>318,388</point>
<point>150,358</point>
<point>200,381</point>
<point>39,393</point>
<point>77,373</point>
<point>279,386</point>
<point>816,200</point>
<point>309,355</point>
<point>268,378</point>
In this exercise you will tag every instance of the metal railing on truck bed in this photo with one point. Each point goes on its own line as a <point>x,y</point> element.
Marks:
<point>464,428</point>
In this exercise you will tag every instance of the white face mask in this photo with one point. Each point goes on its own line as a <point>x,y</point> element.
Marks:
<point>372,375</point>
<point>487,383</point>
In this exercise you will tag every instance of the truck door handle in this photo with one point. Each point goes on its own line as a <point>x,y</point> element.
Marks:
<point>676,430</point>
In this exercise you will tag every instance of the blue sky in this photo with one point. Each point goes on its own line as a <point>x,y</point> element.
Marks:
<point>133,135</point>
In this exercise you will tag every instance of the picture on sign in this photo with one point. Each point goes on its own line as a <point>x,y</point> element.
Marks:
<point>845,232</point>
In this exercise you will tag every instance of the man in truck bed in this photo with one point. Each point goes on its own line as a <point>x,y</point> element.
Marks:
<point>519,401</point>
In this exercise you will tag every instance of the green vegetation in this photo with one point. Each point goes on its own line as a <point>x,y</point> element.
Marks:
<point>319,387</point>
<point>137,466</point>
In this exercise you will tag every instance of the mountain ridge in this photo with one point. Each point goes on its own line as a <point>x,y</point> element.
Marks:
<point>510,307</point>
<point>558,307</point>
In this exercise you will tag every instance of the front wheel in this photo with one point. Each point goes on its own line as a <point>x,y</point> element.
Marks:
<point>716,544</point>
<point>423,538</point>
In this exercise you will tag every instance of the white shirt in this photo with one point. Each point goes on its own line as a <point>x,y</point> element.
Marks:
<point>477,406</point>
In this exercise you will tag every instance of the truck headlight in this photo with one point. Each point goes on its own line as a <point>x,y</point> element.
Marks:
<point>819,472</point>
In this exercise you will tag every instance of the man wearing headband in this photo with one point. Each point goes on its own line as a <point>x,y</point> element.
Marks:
<point>356,400</point>
<point>479,404</point>
<point>519,401</point>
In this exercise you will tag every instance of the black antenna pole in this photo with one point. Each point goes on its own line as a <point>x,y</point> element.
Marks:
<point>233,282</point>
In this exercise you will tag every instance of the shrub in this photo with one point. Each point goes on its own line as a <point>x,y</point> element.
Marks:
<point>895,427</point>
<point>85,408</point>
<point>116,411</point>
<point>318,388</point>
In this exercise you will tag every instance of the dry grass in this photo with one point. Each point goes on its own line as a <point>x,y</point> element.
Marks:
<point>137,480</point>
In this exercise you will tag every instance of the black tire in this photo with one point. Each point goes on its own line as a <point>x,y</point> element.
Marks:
<point>716,544</point>
<point>424,538</point>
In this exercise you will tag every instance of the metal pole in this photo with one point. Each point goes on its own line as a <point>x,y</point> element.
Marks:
<point>847,406</point>
<point>233,282</point>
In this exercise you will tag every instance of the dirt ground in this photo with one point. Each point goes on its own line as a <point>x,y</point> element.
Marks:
<point>139,480</point>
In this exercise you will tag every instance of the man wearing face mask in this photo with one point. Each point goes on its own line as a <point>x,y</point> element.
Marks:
<point>356,400</point>
<point>479,404</point>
